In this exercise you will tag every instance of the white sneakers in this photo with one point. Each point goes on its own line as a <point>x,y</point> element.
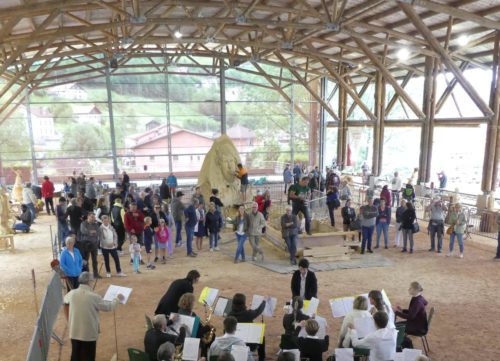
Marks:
<point>211,249</point>
<point>121,274</point>
<point>108,275</point>
<point>217,248</point>
<point>460,256</point>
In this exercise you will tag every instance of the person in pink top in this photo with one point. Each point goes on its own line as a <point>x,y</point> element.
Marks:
<point>164,241</point>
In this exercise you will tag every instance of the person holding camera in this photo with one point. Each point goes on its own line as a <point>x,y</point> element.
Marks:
<point>436,223</point>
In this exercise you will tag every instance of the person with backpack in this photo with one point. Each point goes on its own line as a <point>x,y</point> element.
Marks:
<point>409,193</point>
<point>118,222</point>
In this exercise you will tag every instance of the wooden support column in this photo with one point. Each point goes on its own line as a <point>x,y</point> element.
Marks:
<point>378,127</point>
<point>313,125</point>
<point>426,136</point>
<point>492,148</point>
<point>342,124</point>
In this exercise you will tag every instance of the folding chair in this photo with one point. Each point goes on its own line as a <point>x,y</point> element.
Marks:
<point>401,335</point>
<point>362,353</point>
<point>423,337</point>
<point>137,355</point>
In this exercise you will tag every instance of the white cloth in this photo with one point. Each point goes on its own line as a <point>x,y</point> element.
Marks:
<point>28,196</point>
<point>84,307</point>
<point>303,284</point>
<point>349,318</point>
<point>396,184</point>
<point>107,237</point>
<point>382,343</point>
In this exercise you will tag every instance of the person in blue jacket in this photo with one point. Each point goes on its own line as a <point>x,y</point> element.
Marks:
<point>71,263</point>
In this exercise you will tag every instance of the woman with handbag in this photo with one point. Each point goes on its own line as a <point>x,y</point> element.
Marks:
<point>459,222</point>
<point>407,219</point>
<point>333,202</point>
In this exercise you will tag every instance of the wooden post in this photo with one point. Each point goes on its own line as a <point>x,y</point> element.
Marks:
<point>491,152</point>
<point>428,125</point>
<point>342,124</point>
<point>313,125</point>
<point>378,127</point>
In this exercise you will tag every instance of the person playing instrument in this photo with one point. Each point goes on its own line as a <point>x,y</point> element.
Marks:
<point>359,310</point>
<point>292,323</point>
<point>169,301</point>
<point>158,335</point>
<point>312,347</point>
<point>226,342</point>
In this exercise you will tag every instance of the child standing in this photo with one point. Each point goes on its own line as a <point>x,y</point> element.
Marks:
<point>163,237</point>
<point>148,241</point>
<point>199,230</point>
<point>135,252</point>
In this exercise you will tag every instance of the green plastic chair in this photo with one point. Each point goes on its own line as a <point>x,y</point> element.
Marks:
<point>137,355</point>
<point>149,323</point>
<point>362,353</point>
<point>401,335</point>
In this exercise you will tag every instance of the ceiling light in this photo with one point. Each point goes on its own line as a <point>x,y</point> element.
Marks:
<point>403,54</point>
<point>463,40</point>
<point>178,34</point>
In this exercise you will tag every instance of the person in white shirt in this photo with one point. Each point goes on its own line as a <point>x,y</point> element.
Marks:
<point>108,240</point>
<point>381,343</point>
<point>377,301</point>
<point>359,310</point>
<point>226,342</point>
<point>82,308</point>
<point>396,184</point>
<point>29,199</point>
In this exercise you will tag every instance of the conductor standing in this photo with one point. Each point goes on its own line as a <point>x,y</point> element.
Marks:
<point>170,299</point>
<point>304,282</point>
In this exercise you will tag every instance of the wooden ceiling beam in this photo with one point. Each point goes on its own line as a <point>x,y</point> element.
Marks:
<point>450,64</point>
<point>390,79</point>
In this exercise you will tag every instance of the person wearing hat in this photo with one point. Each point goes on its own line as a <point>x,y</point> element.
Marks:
<point>177,213</point>
<point>436,223</point>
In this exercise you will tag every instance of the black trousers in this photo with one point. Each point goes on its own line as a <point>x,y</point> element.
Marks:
<point>83,350</point>
<point>49,202</point>
<point>120,232</point>
<point>72,283</point>
<point>261,349</point>
<point>88,250</point>
<point>114,253</point>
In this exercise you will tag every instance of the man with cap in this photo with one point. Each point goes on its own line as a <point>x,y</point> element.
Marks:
<point>436,223</point>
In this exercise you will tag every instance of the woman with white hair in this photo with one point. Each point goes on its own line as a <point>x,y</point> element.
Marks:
<point>459,223</point>
<point>71,263</point>
<point>289,231</point>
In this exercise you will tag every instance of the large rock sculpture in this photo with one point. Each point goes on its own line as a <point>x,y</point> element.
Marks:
<point>218,171</point>
<point>5,227</point>
<point>18,187</point>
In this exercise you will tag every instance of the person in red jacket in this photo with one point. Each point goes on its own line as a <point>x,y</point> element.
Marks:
<point>134,222</point>
<point>48,194</point>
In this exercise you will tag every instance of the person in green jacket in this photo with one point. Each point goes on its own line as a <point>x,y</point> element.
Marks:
<point>459,222</point>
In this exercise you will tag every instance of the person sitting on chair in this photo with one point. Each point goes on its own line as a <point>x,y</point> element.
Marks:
<point>166,352</point>
<point>381,343</point>
<point>292,323</point>
<point>415,315</point>
<point>240,312</point>
<point>312,347</point>
<point>158,335</point>
<point>226,342</point>
<point>25,218</point>
<point>359,310</point>
<point>304,282</point>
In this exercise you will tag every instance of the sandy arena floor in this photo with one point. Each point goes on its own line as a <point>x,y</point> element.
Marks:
<point>463,291</point>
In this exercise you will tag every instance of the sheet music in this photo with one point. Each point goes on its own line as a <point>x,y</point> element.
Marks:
<point>190,349</point>
<point>311,307</point>
<point>250,332</point>
<point>411,354</point>
<point>344,354</point>
<point>192,324</point>
<point>364,326</point>
<point>240,353</point>
<point>208,295</point>
<point>341,306</point>
<point>222,307</point>
<point>270,305</point>
<point>386,299</point>
<point>114,291</point>
<point>322,328</point>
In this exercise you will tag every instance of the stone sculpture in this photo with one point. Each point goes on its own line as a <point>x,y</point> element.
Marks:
<point>218,171</point>
<point>4,212</point>
<point>18,187</point>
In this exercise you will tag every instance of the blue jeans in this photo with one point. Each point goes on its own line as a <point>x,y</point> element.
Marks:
<point>62,232</point>
<point>301,207</point>
<point>367,237</point>
<point>240,249</point>
<point>291,243</point>
<point>382,227</point>
<point>21,227</point>
<point>32,209</point>
<point>460,239</point>
<point>178,232</point>
<point>214,237</point>
<point>189,239</point>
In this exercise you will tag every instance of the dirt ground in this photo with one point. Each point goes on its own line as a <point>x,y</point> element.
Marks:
<point>463,292</point>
